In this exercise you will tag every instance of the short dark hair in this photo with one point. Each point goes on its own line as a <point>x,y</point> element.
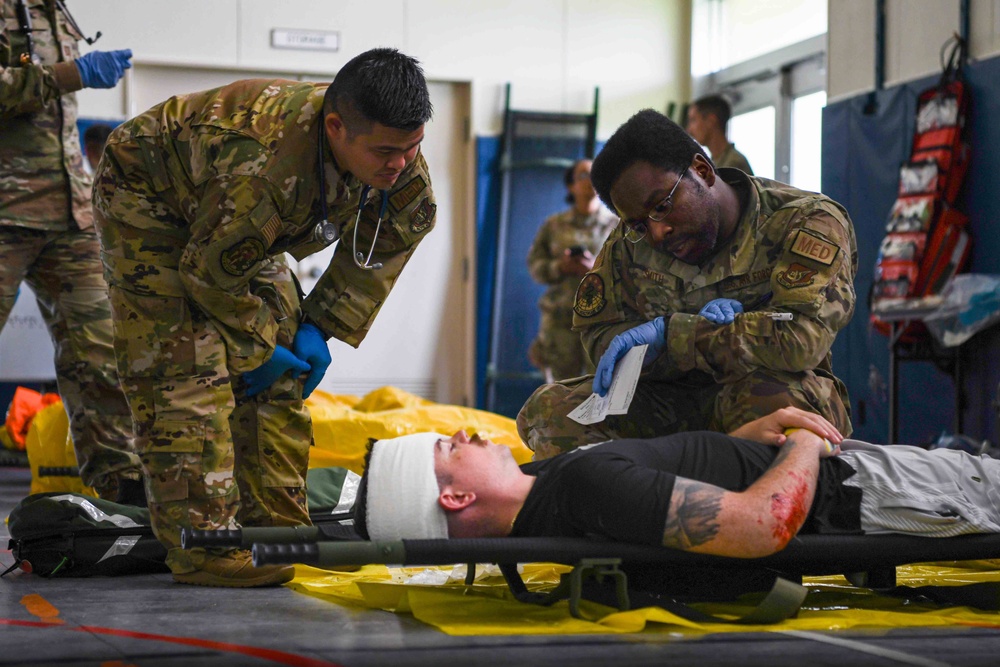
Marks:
<point>380,86</point>
<point>648,136</point>
<point>718,106</point>
<point>97,134</point>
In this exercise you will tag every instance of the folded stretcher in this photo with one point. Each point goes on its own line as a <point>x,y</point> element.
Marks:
<point>652,575</point>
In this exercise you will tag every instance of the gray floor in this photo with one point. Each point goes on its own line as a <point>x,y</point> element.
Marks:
<point>148,621</point>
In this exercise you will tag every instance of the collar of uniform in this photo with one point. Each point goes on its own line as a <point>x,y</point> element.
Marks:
<point>741,245</point>
<point>582,220</point>
<point>736,257</point>
<point>340,185</point>
<point>730,147</point>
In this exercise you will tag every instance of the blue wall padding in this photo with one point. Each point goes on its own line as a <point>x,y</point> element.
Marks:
<point>535,193</point>
<point>861,159</point>
<point>487,215</point>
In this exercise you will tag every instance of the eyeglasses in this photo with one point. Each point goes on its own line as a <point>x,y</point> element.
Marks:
<point>582,176</point>
<point>636,231</point>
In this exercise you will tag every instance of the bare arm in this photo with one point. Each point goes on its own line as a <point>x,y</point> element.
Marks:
<point>749,524</point>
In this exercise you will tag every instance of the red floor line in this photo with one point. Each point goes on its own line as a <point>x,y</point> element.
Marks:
<point>280,657</point>
<point>29,624</point>
<point>979,624</point>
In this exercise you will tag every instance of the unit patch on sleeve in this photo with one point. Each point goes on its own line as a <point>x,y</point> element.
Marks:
<point>814,248</point>
<point>590,296</point>
<point>796,275</point>
<point>422,216</point>
<point>239,257</point>
<point>405,195</point>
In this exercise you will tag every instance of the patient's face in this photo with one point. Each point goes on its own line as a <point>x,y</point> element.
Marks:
<point>472,462</point>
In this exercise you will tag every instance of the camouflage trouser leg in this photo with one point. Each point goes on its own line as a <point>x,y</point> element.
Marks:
<point>560,348</point>
<point>64,270</point>
<point>763,392</point>
<point>272,432</point>
<point>658,408</point>
<point>172,362</point>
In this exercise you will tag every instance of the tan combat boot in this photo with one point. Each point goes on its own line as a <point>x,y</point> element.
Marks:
<point>235,569</point>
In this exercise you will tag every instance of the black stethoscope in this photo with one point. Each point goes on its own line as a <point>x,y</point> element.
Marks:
<point>24,23</point>
<point>326,232</point>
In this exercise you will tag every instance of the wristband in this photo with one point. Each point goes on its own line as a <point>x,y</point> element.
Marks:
<point>827,443</point>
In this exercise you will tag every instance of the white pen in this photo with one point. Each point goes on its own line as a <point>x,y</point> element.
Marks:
<point>780,317</point>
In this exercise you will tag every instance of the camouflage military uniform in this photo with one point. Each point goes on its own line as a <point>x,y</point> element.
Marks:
<point>47,237</point>
<point>557,346</point>
<point>798,247</point>
<point>196,201</point>
<point>733,158</point>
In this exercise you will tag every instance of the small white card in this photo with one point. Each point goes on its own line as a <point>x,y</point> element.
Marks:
<point>619,396</point>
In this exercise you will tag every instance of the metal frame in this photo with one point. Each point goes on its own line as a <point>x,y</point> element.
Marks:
<point>508,164</point>
<point>773,79</point>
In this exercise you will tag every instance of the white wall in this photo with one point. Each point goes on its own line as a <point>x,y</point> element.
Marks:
<point>26,351</point>
<point>554,52</point>
<point>915,32</point>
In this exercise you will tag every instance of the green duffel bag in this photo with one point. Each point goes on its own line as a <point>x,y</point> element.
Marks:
<point>60,534</point>
<point>330,493</point>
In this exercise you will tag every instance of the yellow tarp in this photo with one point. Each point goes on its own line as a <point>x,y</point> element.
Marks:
<point>343,424</point>
<point>488,608</point>
<point>49,444</point>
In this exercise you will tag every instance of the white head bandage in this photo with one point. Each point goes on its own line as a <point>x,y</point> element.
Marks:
<point>402,500</point>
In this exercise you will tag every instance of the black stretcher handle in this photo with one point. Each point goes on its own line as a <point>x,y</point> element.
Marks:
<point>330,554</point>
<point>810,554</point>
<point>245,537</point>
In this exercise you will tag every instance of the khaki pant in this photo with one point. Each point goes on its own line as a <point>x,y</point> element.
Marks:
<point>64,271</point>
<point>213,457</point>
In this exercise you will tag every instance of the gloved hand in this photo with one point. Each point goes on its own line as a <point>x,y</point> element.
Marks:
<point>103,69</point>
<point>281,361</point>
<point>652,333</point>
<point>310,346</point>
<point>721,311</point>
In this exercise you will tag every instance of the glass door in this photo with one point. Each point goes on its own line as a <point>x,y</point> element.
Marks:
<point>778,104</point>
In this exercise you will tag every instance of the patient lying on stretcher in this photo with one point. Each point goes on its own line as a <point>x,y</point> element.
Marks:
<point>744,495</point>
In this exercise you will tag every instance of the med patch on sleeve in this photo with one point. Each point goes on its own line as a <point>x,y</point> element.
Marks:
<point>814,248</point>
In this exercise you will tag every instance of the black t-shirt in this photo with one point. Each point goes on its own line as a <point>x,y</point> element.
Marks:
<point>621,490</point>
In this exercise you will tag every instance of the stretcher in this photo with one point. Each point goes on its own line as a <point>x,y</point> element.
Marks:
<point>637,574</point>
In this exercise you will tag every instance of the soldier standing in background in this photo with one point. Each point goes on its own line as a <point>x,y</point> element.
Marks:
<point>197,200</point>
<point>46,229</point>
<point>707,121</point>
<point>737,284</point>
<point>562,253</point>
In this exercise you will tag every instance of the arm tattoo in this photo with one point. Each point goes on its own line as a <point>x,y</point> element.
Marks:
<point>692,518</point>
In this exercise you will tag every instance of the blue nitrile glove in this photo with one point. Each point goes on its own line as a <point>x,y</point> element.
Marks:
<point>281,361</point>
<point>103,69</point>
<point>721,311</point>
<point>310,346</point>
<point>651,333</point>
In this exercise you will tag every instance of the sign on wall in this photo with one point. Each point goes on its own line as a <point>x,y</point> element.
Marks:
<point>306,40</point>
